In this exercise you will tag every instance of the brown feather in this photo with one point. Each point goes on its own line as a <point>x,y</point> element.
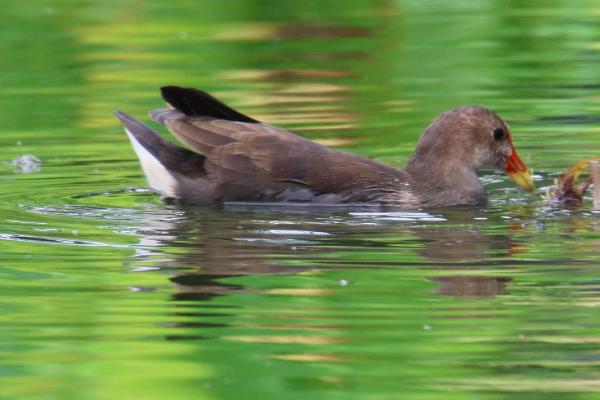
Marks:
<point>241,159</point>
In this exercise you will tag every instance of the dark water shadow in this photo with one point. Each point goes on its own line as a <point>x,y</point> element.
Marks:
<point>207,246</point>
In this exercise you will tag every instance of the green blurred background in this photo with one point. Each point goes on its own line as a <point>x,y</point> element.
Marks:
<point>109,294</point>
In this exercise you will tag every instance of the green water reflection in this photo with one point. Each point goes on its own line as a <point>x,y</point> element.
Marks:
<point>109,294</point>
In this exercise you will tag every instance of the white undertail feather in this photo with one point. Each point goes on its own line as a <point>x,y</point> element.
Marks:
<point>159,178</point>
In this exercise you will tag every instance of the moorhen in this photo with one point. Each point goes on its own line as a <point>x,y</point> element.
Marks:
<point>233,157</point>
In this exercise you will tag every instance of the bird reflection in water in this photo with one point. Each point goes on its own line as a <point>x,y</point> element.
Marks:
<point>462,249</point>
<point>204,247</point>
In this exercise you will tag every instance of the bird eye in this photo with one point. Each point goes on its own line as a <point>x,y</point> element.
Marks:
<point>498,134</point>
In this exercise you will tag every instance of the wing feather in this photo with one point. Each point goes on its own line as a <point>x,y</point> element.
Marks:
<point>257,161</point>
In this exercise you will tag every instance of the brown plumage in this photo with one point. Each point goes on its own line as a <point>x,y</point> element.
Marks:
<point>233,157</point>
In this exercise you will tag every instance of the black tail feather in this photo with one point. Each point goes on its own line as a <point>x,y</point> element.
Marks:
<point>196,102</point>
<point>173,157</point>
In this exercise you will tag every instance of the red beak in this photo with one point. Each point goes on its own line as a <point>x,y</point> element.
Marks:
<point>516,169</point>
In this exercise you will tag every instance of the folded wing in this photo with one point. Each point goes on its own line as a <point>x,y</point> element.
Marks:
<point>242,159</point>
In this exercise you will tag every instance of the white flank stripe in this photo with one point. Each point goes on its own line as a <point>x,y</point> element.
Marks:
<point>159,178</point>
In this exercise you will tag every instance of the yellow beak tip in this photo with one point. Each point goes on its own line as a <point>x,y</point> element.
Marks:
<point>524,180</point>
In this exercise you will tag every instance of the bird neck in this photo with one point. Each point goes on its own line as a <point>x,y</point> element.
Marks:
<point>448,179</point>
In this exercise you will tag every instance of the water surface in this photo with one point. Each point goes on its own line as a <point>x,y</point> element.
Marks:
<point>107,293</point>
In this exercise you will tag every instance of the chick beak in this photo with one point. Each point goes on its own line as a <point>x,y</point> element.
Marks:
<point>516,169</point>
